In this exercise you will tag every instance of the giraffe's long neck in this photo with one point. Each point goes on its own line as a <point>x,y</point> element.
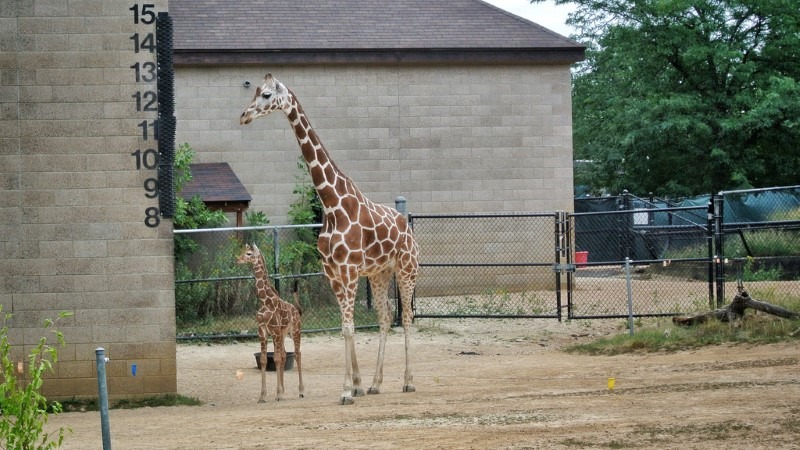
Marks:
<point>330,182</point>
<point>266,293</point>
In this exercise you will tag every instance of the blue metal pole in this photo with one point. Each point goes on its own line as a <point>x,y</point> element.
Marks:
<point>100,354</point>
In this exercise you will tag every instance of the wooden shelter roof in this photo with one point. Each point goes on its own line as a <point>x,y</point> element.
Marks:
<point>215,183</point>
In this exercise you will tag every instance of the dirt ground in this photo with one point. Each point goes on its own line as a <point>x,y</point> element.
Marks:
<point>480,384</point>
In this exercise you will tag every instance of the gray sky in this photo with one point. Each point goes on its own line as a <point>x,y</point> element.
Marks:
<point>546,14</point>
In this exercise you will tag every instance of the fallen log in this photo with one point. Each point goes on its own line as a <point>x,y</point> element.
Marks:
<point>735,311</point>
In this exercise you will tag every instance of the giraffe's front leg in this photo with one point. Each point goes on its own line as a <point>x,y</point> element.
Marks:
<point>352,378</point>
<point>262,336</point>
<point>298,358</point>
<point>344,283</point>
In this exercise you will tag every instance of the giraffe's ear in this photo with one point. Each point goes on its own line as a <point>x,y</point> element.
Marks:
<point>279,86</point>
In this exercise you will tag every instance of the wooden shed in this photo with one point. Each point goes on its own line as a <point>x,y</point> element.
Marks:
<point>219,188</point>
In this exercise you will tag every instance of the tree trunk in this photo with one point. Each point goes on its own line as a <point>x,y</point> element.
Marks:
<point>735,311</point>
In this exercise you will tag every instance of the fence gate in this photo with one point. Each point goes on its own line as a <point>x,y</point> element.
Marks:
<point>670,253</point>
<point>489,265</point>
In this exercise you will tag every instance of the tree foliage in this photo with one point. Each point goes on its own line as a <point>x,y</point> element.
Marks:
<point>191,214</point>
<point>684,97</point>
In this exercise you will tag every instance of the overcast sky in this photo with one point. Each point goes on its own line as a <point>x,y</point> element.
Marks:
<point>546,14</point>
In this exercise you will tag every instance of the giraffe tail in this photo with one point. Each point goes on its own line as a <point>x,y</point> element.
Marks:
<point>296,298</point>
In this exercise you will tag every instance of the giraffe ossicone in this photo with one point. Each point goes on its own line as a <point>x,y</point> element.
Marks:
<point>276,318</point>
<point>358,238</point>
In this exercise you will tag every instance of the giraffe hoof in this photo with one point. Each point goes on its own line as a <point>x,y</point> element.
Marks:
<point>262,401</point>
<point>358,392</point>
<point>373,391</point>
<point>409,388</point>
<point>301,395</point>
<point>346,401</point>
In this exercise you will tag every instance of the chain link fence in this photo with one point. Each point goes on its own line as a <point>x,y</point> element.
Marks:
<point>487,265</point>
<point>760,236</point>
<point>686,255</point>
<point>215,297</point>
<point>682,257</point>
<point>668,247</point>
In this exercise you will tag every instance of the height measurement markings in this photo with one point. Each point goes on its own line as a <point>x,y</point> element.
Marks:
<point>146,100</point>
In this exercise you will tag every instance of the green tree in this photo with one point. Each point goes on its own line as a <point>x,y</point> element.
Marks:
<point>301,254</point>
<point>191,214</point>
<point>684,97</point>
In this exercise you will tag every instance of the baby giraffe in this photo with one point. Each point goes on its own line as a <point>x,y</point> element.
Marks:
<point>276,318</point>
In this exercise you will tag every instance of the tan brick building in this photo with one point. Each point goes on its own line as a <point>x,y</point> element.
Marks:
<point>73,207</point>
<point>456,105</point>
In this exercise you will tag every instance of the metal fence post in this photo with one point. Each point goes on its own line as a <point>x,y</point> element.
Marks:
<point>400,206</point>
<point>630,295</point>
<point>626,225</point>
<point>710,243</point>
<point>276,244</point>
<point>102,388</point>
<point>562,246</point>
<point>719,233</point>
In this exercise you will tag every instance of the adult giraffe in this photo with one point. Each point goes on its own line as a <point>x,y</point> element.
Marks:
<point>358,238</point>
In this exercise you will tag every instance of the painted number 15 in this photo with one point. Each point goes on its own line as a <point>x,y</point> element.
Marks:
<point>144,13</point>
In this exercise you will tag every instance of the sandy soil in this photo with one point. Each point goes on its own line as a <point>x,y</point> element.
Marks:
<point>497,384</point>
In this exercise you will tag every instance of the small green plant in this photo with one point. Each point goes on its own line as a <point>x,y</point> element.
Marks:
<point>24,409</point>
<point>752,273</point>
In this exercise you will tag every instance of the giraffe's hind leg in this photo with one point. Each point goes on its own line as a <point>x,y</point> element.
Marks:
<point>279,356</point>
<point>380,290</point>
<point>298,359</point>
<point>406,280</point>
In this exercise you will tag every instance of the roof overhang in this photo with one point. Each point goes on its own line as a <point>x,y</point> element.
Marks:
<point>481,56</point>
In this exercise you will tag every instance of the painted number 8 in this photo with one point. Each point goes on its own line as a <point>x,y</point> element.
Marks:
<point>151,218</point>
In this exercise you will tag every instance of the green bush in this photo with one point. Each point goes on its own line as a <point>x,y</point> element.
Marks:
<point>24,408</point>
<point>751,272</point>
<point>201,302</point>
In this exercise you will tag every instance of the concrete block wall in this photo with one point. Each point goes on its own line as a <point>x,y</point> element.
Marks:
<point>450,139</point>
<point>72,208</point>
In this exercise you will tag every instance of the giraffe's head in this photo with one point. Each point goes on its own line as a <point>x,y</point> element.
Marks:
<point>271,95</point>
<point>249,255</point>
